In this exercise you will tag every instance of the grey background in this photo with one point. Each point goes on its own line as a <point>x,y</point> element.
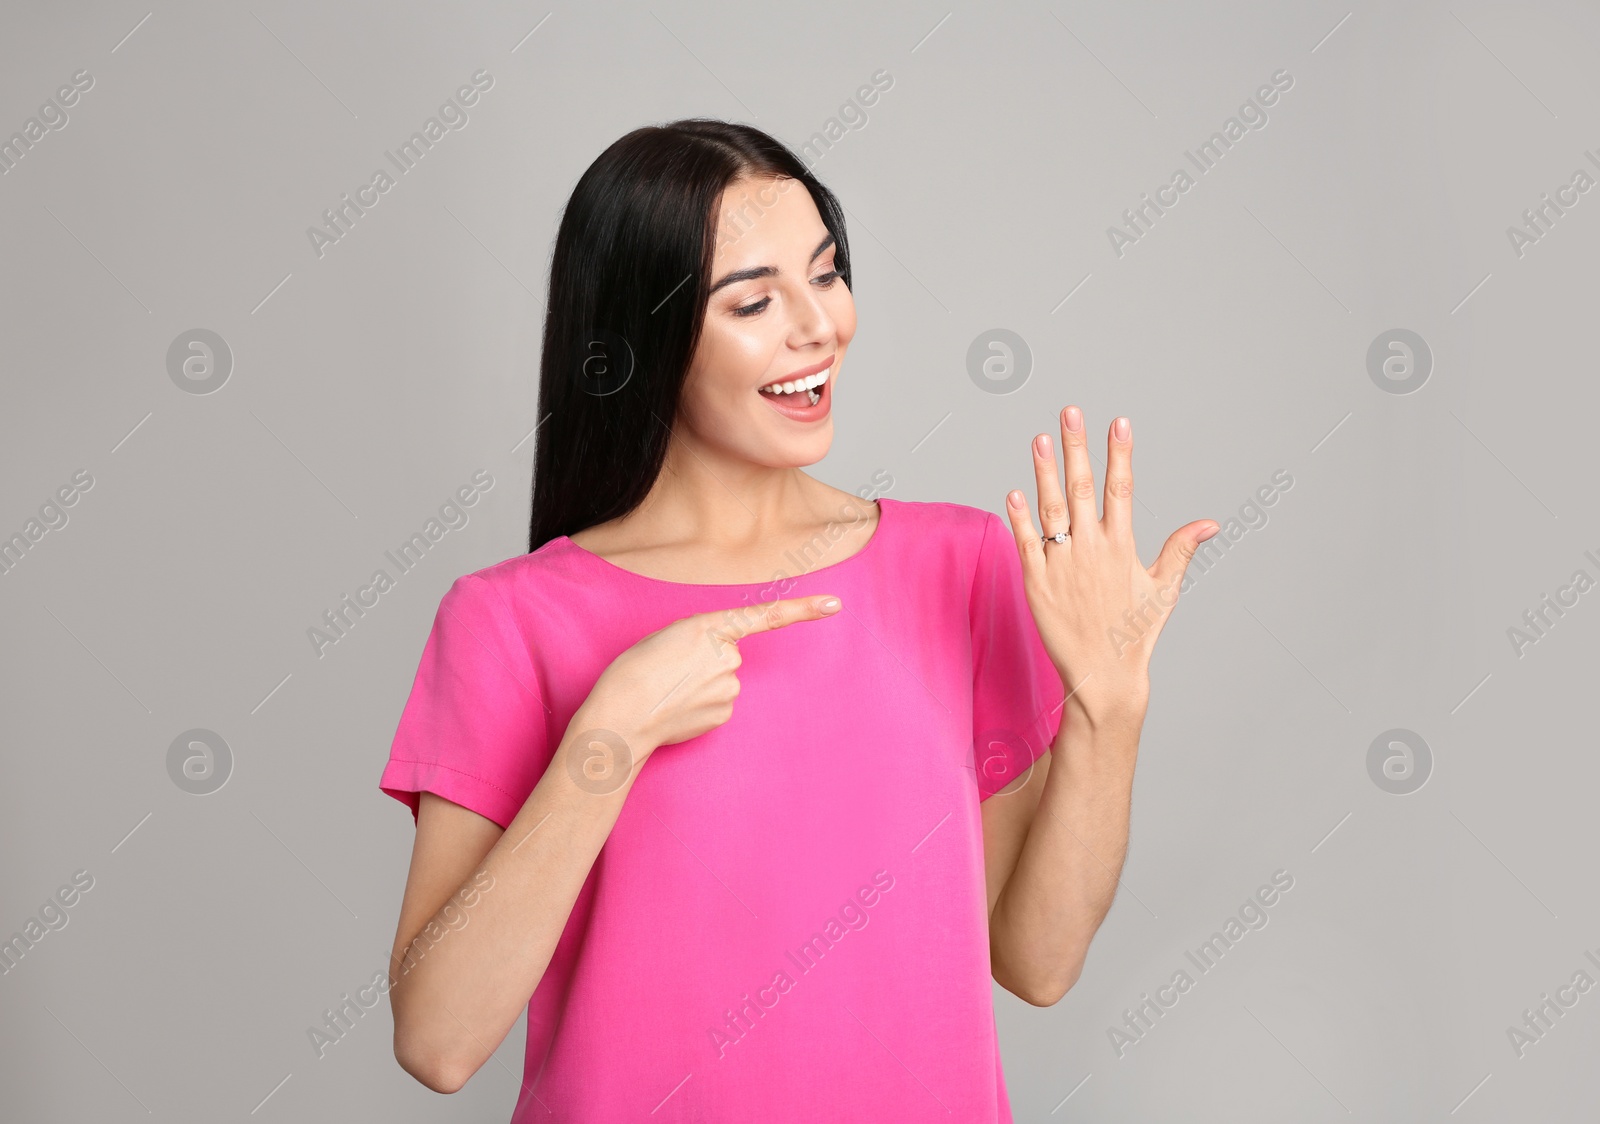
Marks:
<point>370,383</point>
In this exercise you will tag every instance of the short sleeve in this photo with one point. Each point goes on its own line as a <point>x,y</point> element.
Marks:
<point>473,729</point>
<point>1016,691</point>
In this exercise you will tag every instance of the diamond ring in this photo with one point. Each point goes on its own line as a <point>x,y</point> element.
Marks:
<point>1058,537</point>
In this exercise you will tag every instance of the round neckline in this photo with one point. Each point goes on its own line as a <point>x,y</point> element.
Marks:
<point>883,503</point>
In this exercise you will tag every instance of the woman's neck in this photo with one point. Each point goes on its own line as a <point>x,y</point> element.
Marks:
<point>730,524</point>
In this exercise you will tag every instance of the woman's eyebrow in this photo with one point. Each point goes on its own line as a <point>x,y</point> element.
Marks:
<point>765,270</point>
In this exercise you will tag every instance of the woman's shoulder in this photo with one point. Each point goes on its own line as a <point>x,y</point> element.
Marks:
<point>953,548</point>
<point>942,541</point>
<point>947,520</point>
<point>552,566</point>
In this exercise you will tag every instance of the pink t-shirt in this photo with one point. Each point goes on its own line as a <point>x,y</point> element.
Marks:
<point>788,921</point>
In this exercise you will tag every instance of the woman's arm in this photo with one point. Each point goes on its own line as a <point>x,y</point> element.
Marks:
<point>1055,847</point>
<point>483,910</point>
<point>1099,611</point>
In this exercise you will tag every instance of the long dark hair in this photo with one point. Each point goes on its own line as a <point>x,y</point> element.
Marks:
<point>629,281</point>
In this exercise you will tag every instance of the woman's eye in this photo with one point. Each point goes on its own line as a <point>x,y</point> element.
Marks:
<point>825,280</point>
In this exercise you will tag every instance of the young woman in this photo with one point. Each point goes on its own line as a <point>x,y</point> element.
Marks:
<point>739,784</point>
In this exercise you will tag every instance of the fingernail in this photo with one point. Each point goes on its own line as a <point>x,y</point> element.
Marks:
<point>1122,427</point>
<point>1041,444</point>
<point>829,605</point>
<point>1014,499</point>
<point>1074,419</point>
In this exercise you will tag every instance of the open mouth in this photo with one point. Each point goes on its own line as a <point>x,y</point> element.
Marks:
<point>799,393</point>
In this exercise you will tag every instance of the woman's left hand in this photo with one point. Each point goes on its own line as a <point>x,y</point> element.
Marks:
<point>1097,607</point>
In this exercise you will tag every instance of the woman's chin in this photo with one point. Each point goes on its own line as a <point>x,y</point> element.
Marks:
<point>794,454</point>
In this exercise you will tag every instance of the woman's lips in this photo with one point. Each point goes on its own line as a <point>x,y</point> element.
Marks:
<point>805,412</point>
<point>814,369</point>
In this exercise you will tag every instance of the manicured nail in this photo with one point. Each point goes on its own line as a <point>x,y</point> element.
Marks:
<point>1041,444</point>
<point>1122,427</point>
<point>829,605</point>
<point>1074,419</point>
<point>1015,499</point>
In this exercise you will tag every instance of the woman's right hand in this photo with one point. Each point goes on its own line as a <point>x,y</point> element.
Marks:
<point>679,681</point>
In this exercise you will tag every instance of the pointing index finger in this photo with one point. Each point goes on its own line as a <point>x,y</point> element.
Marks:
<point>736,624</point>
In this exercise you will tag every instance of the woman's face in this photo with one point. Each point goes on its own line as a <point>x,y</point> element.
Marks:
<point>777,312</point>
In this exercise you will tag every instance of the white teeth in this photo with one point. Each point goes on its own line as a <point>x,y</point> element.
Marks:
<point>810,382</point>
